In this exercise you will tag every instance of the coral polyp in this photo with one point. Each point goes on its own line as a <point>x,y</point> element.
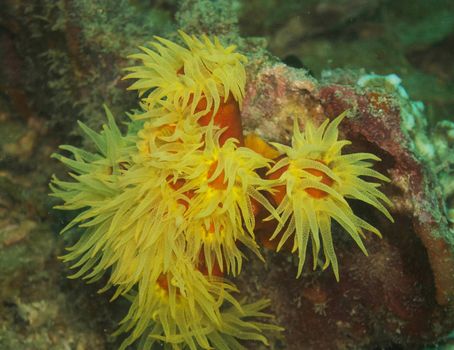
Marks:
<point>315,179</point>
<point>183,310</point>
<point>221,212</point>
<point>203,72</point>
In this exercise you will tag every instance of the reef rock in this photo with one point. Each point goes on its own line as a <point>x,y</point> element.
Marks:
<point>403,291</point>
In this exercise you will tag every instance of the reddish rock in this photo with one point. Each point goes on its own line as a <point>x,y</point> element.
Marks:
<point>402,293</point>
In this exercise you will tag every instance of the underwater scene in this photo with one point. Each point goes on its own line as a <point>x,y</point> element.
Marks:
<point>226,175</point>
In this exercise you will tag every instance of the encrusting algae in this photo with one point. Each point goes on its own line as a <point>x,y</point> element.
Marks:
<point>168,207</point>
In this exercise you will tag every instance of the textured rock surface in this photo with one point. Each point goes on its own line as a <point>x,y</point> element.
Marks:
<point>404,291</point>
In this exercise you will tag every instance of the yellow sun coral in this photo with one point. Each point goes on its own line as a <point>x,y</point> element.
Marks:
<point>166,207</point>
<point>315,179</point>
<point>217,182</point>
<point>183,309</point>
<point>205,70</point>
<point>141,230</point>
<point>168,141</point>
<point>121,208</point>
<point>96,173</point>
<point>221,212</point>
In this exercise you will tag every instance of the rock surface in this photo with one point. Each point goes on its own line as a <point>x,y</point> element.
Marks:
<point>403,292</point>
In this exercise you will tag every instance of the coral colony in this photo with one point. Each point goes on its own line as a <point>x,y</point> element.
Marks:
<point>169,207</point>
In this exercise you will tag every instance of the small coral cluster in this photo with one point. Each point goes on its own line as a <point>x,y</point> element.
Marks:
<point>169,208</point>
